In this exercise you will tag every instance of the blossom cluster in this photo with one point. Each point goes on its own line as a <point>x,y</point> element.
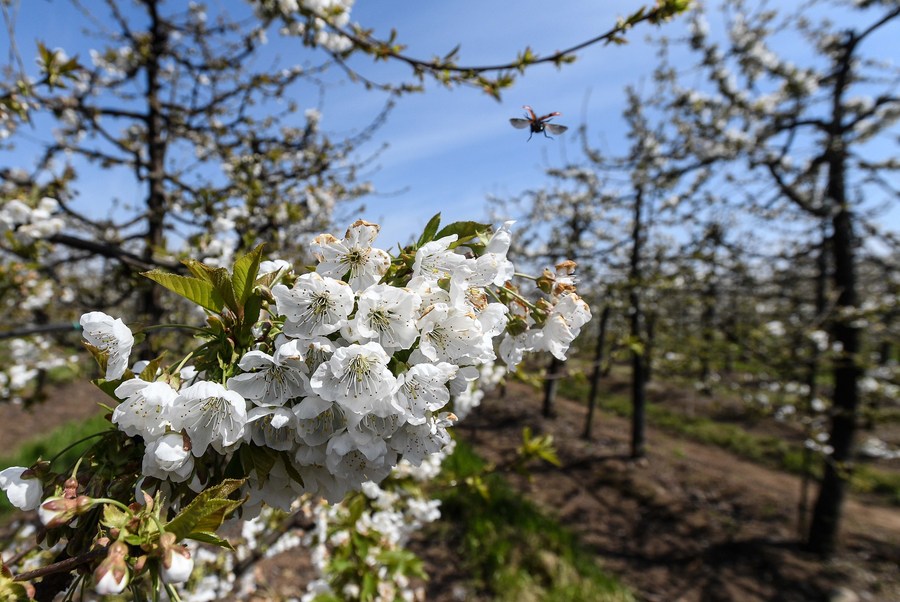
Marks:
<point>27,224</point>
<point>314,383</point>
<point>357,376</point>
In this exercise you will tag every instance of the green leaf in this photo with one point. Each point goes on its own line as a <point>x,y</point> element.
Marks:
<point>193,289</point>
<point>207,511</point>
<point>109,386</point>
<point>260,459</point>
<point>289,467</point>
<point>463,230</point>
<point>199,270</point>
<point>244,274</point>
<point>223,285</point>
<point>149,373</point>
<point>430,229</point>
<point>211,538</point>
<point>114,517</point>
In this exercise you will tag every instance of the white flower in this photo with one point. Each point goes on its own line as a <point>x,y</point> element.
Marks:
<point>562,326</point>
<point>317,419</point>
<point>492,267</point>
<point>145,409</point>
<point>385,314</point>
<point>357,378</point>
<point>23,492</point>
<point>211,415</point>
<point>448,334</point>
<point>434,260</point>
<point>423,388</point>
<point>314,306</point>
<point>112,574</point>
<point>513,348</point>
<point>346,459</point>
<point>167,458</point>
<point>272,427</point>
<point>416,442</point>
<point>177,565</point>
<point>271,380</point>
<point>106,334</point>
<point>354,256</point>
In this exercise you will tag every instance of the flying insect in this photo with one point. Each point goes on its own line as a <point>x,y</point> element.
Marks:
<point>538,124</point>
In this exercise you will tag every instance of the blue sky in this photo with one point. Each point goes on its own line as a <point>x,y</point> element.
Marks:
<point>449,149</point>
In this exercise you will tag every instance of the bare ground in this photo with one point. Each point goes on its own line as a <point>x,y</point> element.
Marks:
<point>689,523</point>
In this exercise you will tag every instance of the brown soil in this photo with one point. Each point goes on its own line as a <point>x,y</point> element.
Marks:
<point>688,523</point>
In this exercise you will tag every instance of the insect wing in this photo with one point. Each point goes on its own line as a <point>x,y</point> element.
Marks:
<point>519,123</point>
<point>549,115</point>
<point>555,128</point>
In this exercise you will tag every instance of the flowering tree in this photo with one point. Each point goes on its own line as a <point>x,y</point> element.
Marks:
<point>303,383</point>
<point>175,99</point>
<point>807,132</point>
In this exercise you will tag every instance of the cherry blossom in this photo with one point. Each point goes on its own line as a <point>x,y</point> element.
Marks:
<point>111,335</point>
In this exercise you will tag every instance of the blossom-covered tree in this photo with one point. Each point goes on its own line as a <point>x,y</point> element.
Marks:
<point>808,129</point>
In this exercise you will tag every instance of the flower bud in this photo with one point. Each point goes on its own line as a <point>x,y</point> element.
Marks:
<point>112,574</point>
<point>23,490</point>
<point>177,565</point>
<point>56,511</point>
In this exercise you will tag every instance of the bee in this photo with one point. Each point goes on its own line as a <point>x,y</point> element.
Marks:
<point>538,124</point>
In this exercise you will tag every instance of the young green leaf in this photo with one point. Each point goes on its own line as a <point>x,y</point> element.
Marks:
<point>199,291</point>
<point>430,229</point>
<point>244,274</point>
<point>463,230</point>
<point>207,512</point>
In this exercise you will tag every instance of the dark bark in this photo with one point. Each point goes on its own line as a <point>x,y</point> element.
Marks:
<point>823,531</point>
<point>150,307</point>
<point>551,383</point>
<point>596,373</point>
<point>638,380</point>
<point>812,377</point>
<point>650,329</point>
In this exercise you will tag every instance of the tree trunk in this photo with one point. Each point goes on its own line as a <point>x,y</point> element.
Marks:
<point>812,377</point>
<point>823,530</point>
<point>638,380</point>
<point>650,328</point>
<point>150,307</point>
<point>596,373</point>
<point>551,382</point>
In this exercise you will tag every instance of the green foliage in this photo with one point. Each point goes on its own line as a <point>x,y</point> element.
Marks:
<point>206,513</point>
<point>512,549</point>
<point>540,447</point>
<point>200,291</point>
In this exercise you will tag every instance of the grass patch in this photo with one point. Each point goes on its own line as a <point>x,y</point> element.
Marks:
<point>514,552</point>
<point>46,446</point>
<point>764,449</point>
